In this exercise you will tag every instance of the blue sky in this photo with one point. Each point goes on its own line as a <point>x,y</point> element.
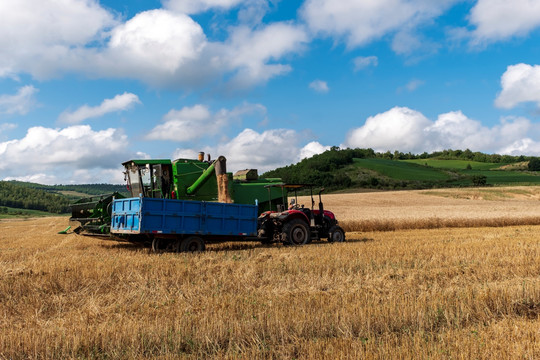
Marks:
<point>87,84</point>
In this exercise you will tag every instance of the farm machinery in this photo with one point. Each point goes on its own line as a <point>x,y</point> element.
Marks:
<point>167,195</point>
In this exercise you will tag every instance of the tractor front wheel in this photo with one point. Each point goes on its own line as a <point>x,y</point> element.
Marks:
<point>295,232</point>
<point>336,234</point>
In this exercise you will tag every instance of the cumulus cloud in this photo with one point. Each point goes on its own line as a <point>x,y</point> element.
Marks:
<point>38,36</point>
<point>121,102</point>
<point>399,128</point>
<point>312,148</point>
<point>249,54</point>
<point>161,47</point>
<point>406,130</point>
<point>359,22</point>
<point>319,86</point>
<point>57,154</point>
<point>20,103</point>
<point>194,122</point>
<point>520,83</point>
<point>158,41</point>
<point>362,62</point>
<point>264,151</point>
<point>496,20</point>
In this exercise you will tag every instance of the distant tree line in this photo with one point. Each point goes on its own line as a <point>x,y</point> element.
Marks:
<point>455,155</point>
<point>90,189</point>
<point>24,197</point>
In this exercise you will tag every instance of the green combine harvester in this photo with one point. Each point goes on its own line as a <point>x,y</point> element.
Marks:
<point>183,179</point>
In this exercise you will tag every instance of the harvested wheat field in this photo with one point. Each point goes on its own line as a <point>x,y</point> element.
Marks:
<point>426,209</point>
<point>444,293</point>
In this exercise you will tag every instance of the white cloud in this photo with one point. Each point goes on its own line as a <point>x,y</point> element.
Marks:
<point>496,20</point>
<point>406,130</point>
<point>264,151</point>
<point>20,103</point>
<point>312,148</point>
<point>250,53</point>
<point>196,6</point>
<point>57,154</point>
<point>119,103</point>
<point>397,129</point>
<point>360,22</point>
<point>158,41</point>
<point>520,83</point>
<point>160,47</point>
<point>362,62</point>
<point>37,36</point>
<point>253,150</point>
<point>192,123</point>
<point>319,86</point>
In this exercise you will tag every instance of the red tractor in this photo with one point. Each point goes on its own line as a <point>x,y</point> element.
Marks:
<point>299,225</point>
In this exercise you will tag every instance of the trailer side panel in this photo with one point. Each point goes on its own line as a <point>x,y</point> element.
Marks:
<point>165,216</point>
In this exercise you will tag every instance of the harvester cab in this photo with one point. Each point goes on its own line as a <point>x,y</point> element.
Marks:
<point>149,178</point>
<point>299,224</point>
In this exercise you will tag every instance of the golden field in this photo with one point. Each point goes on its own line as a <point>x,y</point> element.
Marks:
<point>439,293</point>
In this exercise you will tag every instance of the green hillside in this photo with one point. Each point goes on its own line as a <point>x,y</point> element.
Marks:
<point>401,170</point>
<point>338,169</point>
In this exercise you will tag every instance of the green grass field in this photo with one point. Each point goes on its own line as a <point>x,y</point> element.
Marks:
<point>401,170</point>
<point>454,164</point>
<point>447,172</point>
<point>500,177</point>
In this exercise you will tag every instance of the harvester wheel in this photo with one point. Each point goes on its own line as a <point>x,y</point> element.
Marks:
<point>192,244</point>
<point>336,234</point>
<point>295,232</point>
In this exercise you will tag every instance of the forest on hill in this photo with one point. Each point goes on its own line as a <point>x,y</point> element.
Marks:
<point>15,195</point>
<point>49,198</point>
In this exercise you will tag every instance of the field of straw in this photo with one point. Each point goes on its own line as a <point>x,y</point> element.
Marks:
<point>441,293</point>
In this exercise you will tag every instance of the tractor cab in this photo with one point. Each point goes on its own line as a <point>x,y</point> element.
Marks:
<point>149,178</point>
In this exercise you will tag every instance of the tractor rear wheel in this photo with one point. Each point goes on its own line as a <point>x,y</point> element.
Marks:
<point>336,234</point>
<point>295,232</point>
<point>192,244</point>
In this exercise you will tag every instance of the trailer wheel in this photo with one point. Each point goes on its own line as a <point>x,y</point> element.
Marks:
<point>192,244</point>
<point>336,234</point>
<point>160,245</point>
<point>295,232</point>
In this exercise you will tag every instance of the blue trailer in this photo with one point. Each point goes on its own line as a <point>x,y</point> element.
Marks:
<point>181,225</point>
